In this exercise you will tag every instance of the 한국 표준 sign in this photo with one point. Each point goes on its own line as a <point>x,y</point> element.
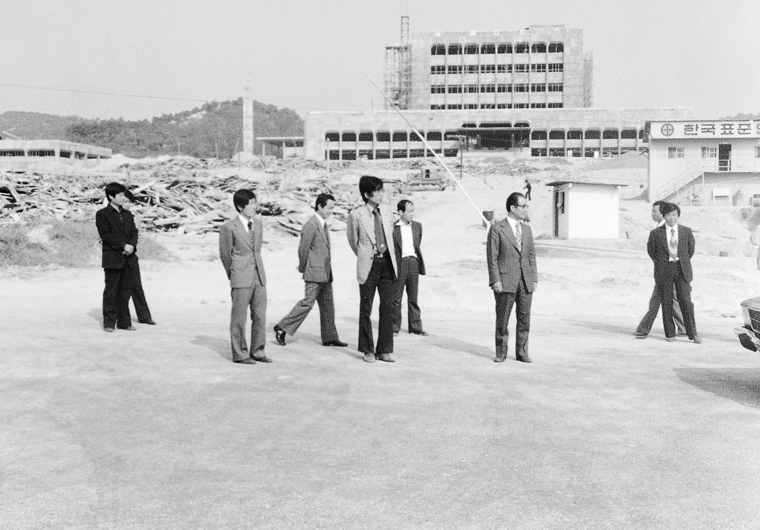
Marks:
<point>664,130</point>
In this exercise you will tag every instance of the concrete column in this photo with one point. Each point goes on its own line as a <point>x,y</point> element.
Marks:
<point>248,116</point>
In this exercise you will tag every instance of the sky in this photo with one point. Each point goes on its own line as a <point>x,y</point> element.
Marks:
<point>322,54</point>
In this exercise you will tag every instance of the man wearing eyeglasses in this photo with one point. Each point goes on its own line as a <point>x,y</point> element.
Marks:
<point>512,275</point>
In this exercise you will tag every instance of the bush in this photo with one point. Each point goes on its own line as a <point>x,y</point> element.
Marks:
<point>17,249</point>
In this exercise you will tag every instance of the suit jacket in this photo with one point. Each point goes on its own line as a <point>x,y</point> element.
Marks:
<point>360,230</point>
<point>314,252</point>
<point>505,263</point>
<point>242,259</point>
<point>657,247</point>
<point>115,232</point>
<point>416,240</point>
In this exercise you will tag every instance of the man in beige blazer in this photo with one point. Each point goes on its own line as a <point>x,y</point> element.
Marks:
<point>370,235</point>
<point>512,275</point>
<point>240,250</point>
<point>314,264</point>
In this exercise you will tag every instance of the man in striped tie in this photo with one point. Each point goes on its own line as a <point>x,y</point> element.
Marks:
<point>671,247</point>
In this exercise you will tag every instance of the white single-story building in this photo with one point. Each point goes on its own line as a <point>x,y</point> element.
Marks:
<point>586,210</point>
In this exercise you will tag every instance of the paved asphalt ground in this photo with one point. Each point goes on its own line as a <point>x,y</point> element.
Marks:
<point>156,429</point>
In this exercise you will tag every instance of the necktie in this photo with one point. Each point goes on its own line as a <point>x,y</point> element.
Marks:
<point>673,244</point>
<point>327,233</point>
<point>518,237</point>
<point>250,232</point>
<point>379,233</point>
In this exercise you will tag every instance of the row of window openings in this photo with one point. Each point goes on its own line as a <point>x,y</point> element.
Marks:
<point>486,49</point>
<point>572,134</point>
<point>495,68</point>
<point>589,152</point>
<point>500,88</point>
<point>474,106</point>
<point>45,152</point>
<point>707,152</point>
<point>387,153</point>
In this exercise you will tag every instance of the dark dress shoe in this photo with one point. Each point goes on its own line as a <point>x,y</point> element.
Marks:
<point>499,359</point>
<point>335,343</point>
<point>525,359</point>
<point>108,329</point>
<point>245,361</point>
<point>386,358</point>
<point>148,322</point>
<point>420,332</point>
<point>369,357</point>
<point>279,334</point>
<point>262,359</point>
<point>130,328</point>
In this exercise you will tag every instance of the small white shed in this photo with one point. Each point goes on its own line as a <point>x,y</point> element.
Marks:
<point>586,210</point>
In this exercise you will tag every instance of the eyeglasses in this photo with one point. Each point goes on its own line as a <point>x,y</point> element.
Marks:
<point>523,205</point>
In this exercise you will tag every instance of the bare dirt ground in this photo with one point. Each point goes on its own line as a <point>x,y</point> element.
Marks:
<point>157,429</point>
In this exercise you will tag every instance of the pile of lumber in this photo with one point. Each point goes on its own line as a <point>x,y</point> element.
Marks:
<point>169,197</point>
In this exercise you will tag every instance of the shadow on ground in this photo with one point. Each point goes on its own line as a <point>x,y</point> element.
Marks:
<point>736,384</point>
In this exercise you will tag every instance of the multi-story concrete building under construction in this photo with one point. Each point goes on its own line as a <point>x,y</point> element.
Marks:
<point>528,91</point>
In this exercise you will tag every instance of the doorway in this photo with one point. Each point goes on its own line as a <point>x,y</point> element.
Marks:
<point>724,157</point>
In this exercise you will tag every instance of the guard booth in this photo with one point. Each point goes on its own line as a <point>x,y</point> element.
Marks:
<point>585,210</point>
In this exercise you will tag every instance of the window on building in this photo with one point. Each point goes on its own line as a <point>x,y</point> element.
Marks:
<point>414,137</point>
<point>383,136</point>
<point>712,152</point>
<point>471,49</point>
<point>471,106</point>
<point>433,135</point>
<point>757,151</point>
<point>591,152</point>
<point>455,89</point>
<point>538,87</point>
<point>538,135</point>
<point>450,136</point>
<point>538,47</point>
<point>555,105</point>
<point>520,87</point>
<point>556,47</point>
<point>675,152</point>
<point>522,47</point>
<point>504,68</point>
<point>455,49</point>
<point>502,106</point>
<point>399,136</point>
<point>471,69</point>
<point>487,68</point>
<point>503,88</point>
<point>556,134</point>
<point>438,69</point>
<point>471,89</point>
<point>437,89</point>
<point>538,67</point>
<point>628,134</point>
<point>488,88</point>
<point>538,152</point>
<point>504,48</point>
<point>610,134</point>
<point>399,153</point>
<point>365,136</point>
<point>348,137</point>
<point>522,124</point>
<point>592,134</point>
<point>382,153</point>
<point>538,105</point>
<point>438,49</point>
<point>557,152</point>
<point>556,67</point>
<point>64,154</point>
<point>574,134</point>
<point>520,68</point>
<point>14,152</point>
<point>457,106</point>
<point>555,87</point>
<point>520,106</point>
<point>332,137</point>
<point>488,48</point>
<point>348,155</point>
<point>437,107</point>
<point>455,68</point>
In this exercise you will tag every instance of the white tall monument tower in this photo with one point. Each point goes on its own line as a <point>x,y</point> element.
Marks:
<point>248,115</point>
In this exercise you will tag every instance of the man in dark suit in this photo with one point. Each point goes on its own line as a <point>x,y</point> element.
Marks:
<point>370,232</point>
<point>407,236</point>
<point>118,233</point>
<point>671,247</point>
<point>138,294</point>
<point>240,251</point>
<point>314,264</point>
<point>512,275</point>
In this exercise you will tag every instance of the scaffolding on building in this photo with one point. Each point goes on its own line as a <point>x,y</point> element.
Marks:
<point>398,71</point>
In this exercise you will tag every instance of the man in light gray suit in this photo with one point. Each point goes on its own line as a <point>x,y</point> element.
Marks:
<point>370,234</point>
<point>512,275</point>
<point>240,251</point>
<point>314,264</point>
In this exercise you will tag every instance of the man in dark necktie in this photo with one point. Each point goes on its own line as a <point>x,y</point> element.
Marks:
<point>512,275</point>
<point>118,233</point>
<point>671,247</point>
<point>240,251</point>
<point>369,229</point>
<point>315,265</point>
